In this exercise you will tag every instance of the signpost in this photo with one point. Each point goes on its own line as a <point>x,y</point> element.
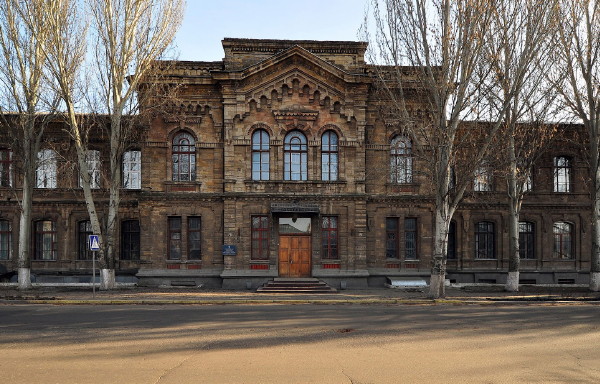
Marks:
<point>94,245</point>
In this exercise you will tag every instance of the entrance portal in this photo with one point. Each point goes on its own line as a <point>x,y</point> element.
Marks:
<point>294,247</point>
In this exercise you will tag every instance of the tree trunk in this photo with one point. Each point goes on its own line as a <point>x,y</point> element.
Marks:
<point>595,256</point>
<point>514,260</point>
<point>512,281</point>
<point>437,281</point>
<point>107,279</point>
<point>24,258</point>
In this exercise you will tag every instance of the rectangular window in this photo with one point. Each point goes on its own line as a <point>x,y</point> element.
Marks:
<point>45,240</point>
<point>483,179</point>
<point>5,168</point>
<point>452,241</point>
<point>45,173</point>
<point>174,239</point>
<point>526,240</point>
<point>194,243</point>
<point>132,170</point>
<point>391,238</point>
<point>410,239</point>
<point>130,240</point>
<point>84,230</point>
<point>92,160</point>
<point>562,174</point>
<point>329,234</point>
<point>485,240</point>
<point>260,238</point>
<point>563,240</point>
<point>5,239</point>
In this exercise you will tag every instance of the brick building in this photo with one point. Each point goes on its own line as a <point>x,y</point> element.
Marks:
<point>276,164</point>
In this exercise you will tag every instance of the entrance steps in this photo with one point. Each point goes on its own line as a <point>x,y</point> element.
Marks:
<point>296,285</point>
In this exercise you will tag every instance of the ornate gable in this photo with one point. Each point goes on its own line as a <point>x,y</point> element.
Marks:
<point>295,84</point>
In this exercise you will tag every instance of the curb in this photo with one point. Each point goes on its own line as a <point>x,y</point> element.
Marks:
<point>483,301</point>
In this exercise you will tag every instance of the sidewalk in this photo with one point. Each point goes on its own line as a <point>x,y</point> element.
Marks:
<point>472,294</point>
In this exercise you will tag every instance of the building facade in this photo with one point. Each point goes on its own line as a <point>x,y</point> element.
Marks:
<point>275,163</point>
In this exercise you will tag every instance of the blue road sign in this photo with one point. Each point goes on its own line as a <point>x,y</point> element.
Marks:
<point>94,243</point>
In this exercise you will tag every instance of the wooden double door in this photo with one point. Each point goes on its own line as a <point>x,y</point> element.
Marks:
<point>294,256</point>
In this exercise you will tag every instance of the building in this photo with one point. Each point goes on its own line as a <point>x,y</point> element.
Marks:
<point>275,163</point>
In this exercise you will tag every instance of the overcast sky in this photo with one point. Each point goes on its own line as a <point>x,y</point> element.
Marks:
<point>207,22</point>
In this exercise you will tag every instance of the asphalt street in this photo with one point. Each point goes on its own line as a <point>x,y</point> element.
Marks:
<point>305,343</point>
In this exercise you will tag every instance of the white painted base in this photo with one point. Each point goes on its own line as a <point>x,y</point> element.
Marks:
<point>24,278</point>
<point>512,282</point>
<point>595,281</point>
<point>436,286</point>
<point>107,279</point>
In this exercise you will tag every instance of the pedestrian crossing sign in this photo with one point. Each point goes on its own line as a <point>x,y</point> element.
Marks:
<point>94,243</point>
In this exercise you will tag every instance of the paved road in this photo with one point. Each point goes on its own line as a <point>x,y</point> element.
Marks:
<point>300,344</point>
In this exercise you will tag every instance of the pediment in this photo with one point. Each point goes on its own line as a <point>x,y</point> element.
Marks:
<point>297,57</point>
<point>294,74</point>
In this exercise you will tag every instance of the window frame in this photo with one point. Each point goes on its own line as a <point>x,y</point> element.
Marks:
<point>130,240</point>
<point>260,244</point>
<point>5,239</point>
<point>39,241</point>
<point>183,151</point>
<point>295,145</point>
<point>392,244</point>
<point>526,240</point>
<point>451,252</point>
<point>483,180</point>
<point>94,163</point>
<point>132,169</point>
<point>171,240</point>
<point>261,149</point>
<point>559,239</point>
<point>83,233</point>
<point>46,169</point>
<point>401,160</point>
<point>194,246</point>
<point>562,166</point>
<point>411,239</point>
<point>485,236</point>
<point>6,168</point>
<point>330,158</point>
<point>330,238</point>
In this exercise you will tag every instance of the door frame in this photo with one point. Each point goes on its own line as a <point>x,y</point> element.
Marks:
<point>308,259</point>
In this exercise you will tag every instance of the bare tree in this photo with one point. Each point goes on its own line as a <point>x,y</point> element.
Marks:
<point>519,50</point>
<point>579,59</point>
<point>27,105</point>
<point>443,43</point>
<point>129,36</point>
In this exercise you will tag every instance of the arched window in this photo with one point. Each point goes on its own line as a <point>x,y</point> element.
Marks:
<point>401,161</point>
<point>260,155</point>
<point>563,240</point>
<point>329,156</point>
<point>184,157</point>
<point>45,173</point>
<point>295,152</point>
<point>485,240</point>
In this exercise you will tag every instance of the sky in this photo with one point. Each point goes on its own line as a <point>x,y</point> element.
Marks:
<point>207,22</point>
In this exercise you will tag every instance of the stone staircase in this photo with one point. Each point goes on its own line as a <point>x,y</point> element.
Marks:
<point>296,285</point>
